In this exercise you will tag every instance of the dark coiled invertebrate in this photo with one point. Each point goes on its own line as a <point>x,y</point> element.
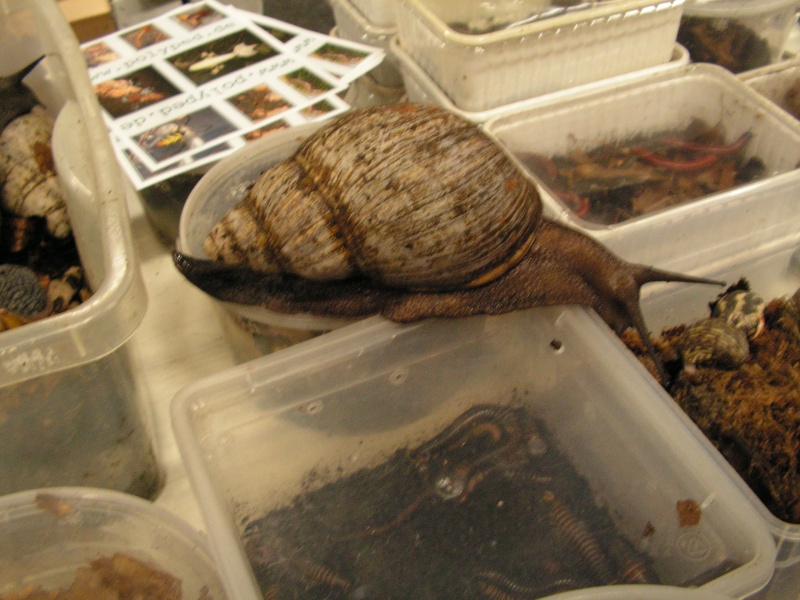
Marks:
<point>578,537</point>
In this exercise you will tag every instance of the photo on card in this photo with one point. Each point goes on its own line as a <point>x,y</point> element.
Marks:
<point>307,83</point>
<point>199,15</point>
<point>185,134</point>
<point>339,54</point>
<point>141,37</point>
<point>131,92</point>
<point>221,56</point>
<point>281,35</point>
<point>260,102</point>
<point>266,130</point>
<point>142,177</point>
<point>98,54</point>
<point>318,109</point>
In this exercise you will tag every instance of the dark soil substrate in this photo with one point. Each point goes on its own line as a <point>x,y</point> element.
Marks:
<point>752,414</point>
<point>724,42</point>
<point>526,526</point>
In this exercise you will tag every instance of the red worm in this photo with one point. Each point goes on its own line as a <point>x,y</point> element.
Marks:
<point>718,150</point>
<point>578,204</point>
<point>694,164</point>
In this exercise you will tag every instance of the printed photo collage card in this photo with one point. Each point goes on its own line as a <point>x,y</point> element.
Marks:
<point>185,89</point>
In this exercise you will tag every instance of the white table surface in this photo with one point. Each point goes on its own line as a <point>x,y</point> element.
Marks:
<point>181,339</point>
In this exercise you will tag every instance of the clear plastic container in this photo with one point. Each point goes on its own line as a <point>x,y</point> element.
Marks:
<point>71,398</point>
<point>483,71</point>
<point>46,535</point>
<point>779,83</point>
<point>346,401</point>
<point>737,34</point>
<point>773,270</point>
<point>686,235</point>
<point>224,186</point>
<point>352,25</point>
<point>421,88</point>
<point>378,12</point>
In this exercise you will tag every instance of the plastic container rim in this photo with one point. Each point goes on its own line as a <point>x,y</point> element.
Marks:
<point>620,8</point>
<point>369,28</point>
<point>734,8</point>
<point>23,503</point>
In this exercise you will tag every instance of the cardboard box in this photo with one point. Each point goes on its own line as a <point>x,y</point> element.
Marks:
<point>89,18</point>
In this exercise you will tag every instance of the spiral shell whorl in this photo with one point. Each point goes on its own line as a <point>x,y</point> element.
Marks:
<point>28,182</point>
<point>713,342</point>
<point>360,192</point>
<point>280,227</point>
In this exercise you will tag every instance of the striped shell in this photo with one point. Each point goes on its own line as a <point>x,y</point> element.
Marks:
<point>20,290</point>
<point>370,194</point>
<point>29,185</point>
<point>715,343</point>
<point>743,309</point>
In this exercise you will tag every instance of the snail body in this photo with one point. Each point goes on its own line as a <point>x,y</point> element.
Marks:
<point>416,213</point>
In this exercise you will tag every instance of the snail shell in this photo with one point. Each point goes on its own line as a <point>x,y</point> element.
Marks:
<point>338,207</point>
<point>20,290</point>
<point>743,309</point>
<point>28,181</point>
<point>713,342</point>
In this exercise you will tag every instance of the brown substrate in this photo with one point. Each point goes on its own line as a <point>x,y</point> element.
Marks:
<point>118,577</point>
<point>751,414</point>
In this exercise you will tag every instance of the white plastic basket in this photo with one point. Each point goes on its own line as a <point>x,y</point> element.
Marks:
<point>380,13</point>
<point>421,88</point>
<point>481,72</point>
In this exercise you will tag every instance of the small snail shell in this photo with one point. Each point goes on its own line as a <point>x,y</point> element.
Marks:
<point>743,309</point>
<point>713,342</point>
<point>341,207</point>
<point>20,290</point>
